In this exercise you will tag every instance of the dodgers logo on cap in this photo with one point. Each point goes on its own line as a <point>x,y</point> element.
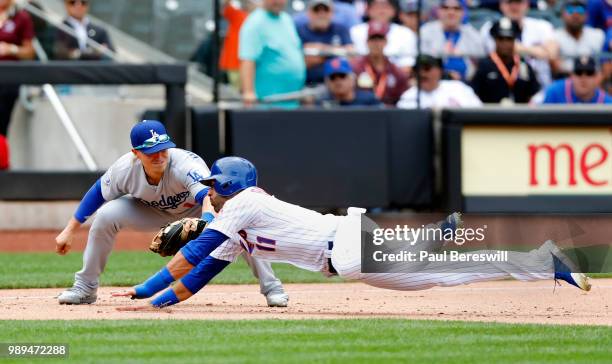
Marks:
<point>150,136</point>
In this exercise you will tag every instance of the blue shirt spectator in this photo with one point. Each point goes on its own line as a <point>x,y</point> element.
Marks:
<point>562,92</point>
<point>456,43</point>
<point>335,35</point>
<point>362,98</point>
<point>600,14</point>
<point>322,39</point>
<point>607,47</point>
<point>344,14</point>
<point>582,87</point>
<point>341,86</point>
<point>269,43</point>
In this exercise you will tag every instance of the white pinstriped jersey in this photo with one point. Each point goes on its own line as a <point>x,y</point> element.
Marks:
<point>274,230</point>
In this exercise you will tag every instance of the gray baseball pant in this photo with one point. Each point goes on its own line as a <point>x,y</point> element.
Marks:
<point>127,212</point>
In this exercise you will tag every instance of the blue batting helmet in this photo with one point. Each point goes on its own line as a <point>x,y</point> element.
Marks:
<point>232,174</point>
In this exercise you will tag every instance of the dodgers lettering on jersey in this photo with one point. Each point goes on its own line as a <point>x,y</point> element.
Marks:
<point>174,194</point>
<point>274,230</point>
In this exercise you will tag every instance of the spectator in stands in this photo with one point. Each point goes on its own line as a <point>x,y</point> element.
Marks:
<point>271,57</point>
<point>401,41</point>
<point>375,72</point>
<point>341,91</point>
<point>16,34</point>
<point>582,87</point>
<point>43,31</point>
<point>409,14</point>
<point>344,14</point>
<point>600,14</point>
<point>68,47</point>
<point>434,92</point>
<point>503,76</point>
<point>228,61</point>
<point>537,41</point>
<point>575,39</point>
<point>455,42</point>
<point>322,39</point>
<point>607,62</point>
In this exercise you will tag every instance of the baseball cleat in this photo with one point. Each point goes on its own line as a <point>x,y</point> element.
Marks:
<point>565,269</point>
<point>277,299</point>
<point>76,296</point>
<point>577,279</point>
<point>452,221</point>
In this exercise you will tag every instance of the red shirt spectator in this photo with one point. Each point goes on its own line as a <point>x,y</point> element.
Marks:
<point>375,72</point>
<point>229,54</point>
<point>16,33</point>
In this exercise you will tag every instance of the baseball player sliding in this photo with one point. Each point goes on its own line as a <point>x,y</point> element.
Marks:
<point>265,227</point>
<point>152,185</point>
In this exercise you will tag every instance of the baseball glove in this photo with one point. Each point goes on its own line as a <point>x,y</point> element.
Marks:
<point>173,236</point>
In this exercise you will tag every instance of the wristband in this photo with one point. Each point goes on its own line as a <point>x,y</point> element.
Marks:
<point>168,298</point>
<point>208,217</point>
<point>156,283</point>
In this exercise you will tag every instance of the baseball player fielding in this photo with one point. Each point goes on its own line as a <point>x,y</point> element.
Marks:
<point>153,184</point>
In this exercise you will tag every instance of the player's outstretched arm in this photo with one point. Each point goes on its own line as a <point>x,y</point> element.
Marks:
<point>175,269</point>
<point>90,203</point>
<point>189,285</point>
<point>193,254</point>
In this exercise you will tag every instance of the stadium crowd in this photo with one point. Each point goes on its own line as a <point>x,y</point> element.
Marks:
<point>554,51</point>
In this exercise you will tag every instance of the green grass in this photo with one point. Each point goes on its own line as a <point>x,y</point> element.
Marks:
<point>41,270</point>
<point>48,270</point>
<point>334,341</point>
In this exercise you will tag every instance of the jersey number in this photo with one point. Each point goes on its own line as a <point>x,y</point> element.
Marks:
<point>262,243</point>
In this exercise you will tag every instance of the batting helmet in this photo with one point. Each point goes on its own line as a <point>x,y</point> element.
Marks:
<point>232,174</point>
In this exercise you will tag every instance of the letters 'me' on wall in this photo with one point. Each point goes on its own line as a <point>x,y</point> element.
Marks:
<point>521,161</point>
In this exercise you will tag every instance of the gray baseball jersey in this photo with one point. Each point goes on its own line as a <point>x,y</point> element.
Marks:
<point>176,192</point>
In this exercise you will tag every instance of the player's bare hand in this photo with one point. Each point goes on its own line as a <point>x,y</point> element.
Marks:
<point>137,308</point>
<point>63,242</point>
<point>125,293</point>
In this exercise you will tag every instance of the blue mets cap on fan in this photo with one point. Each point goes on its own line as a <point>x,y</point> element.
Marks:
<point>232,174</point>
<point>150,136</point>
<point>337,65</point>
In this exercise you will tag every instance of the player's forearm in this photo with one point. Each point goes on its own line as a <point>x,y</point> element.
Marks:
<point>208,212</point>
<point>157,282</point>
<point>73,225</point>
<point>175,269</point>
<point>192,283</point>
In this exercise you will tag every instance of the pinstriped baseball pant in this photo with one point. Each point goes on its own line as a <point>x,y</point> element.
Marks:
<point>346,259</point>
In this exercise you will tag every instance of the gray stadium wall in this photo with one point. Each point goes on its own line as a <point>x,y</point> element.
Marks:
<point>338,158</point>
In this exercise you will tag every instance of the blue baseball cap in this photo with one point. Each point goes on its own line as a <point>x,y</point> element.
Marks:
<point>150,136</point>
<point>337,65</point>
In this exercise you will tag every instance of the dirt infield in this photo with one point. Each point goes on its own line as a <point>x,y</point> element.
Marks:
<point>503,301</point>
